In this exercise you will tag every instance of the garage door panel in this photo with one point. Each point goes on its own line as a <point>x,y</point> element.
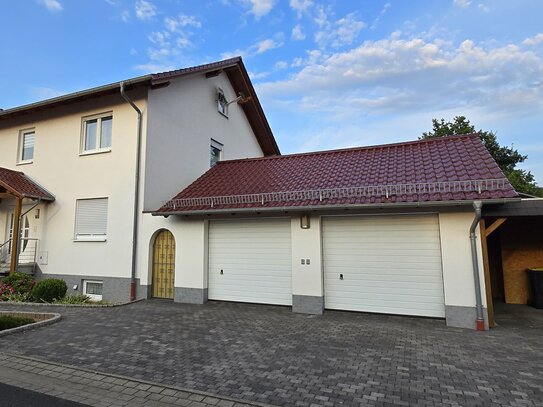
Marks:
<point>255,257</point>
<point>390,264</point>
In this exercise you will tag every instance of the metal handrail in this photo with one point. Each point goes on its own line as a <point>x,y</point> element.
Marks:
<point>340,193</point>
<point>28,249</point>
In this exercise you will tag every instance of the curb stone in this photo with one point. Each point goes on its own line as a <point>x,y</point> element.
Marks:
<point>47,304</point>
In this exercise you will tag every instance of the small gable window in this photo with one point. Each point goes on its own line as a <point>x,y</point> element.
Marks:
<point>222,103</point>
<point>215,153</point>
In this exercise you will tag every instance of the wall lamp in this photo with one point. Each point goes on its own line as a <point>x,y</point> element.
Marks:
<point>304,221</point>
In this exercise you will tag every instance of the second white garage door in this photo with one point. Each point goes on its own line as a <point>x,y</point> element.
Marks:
<point>250,261</point>
<point>387,264</point>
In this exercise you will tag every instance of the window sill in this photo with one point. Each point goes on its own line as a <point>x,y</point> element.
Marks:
<point>93,152</point>
<point>25,162</point>
<point>90,239</point>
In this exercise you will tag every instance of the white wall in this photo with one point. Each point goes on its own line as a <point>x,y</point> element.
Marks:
<point>58,166</point>
<point>457,265</point>
<point>183,118</point>
<point>306,244</point>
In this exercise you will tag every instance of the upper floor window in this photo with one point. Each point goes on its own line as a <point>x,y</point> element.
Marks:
<point>97,131</point>
<point>215,152</point>
<point>222,103</point>
<point>27,139</point>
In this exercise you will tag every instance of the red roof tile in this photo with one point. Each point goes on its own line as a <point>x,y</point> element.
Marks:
<point>20,185</point>
<point>441,169</point>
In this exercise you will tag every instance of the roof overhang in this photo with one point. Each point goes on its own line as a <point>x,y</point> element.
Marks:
<point>521,207</point>
<point>321,208</point>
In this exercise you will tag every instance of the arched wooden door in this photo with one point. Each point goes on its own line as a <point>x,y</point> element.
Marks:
<point>163,265</point>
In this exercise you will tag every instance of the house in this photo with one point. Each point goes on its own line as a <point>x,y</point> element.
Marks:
<point>80,170</point>
<point>172,186</point>
<point>381,229</point>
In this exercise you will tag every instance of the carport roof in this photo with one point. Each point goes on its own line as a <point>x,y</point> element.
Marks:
<point>454,168</point>
<point>20,185</point>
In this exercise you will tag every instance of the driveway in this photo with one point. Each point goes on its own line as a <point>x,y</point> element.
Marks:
<point>271,355</point>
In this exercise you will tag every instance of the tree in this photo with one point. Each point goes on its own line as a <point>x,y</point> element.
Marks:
<point>507,158</point>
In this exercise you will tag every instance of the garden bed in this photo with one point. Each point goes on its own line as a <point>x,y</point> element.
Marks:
<point>18,321</point>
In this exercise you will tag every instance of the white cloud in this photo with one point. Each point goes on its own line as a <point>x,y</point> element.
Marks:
<point>338,33</point>
<point>125,16</point>
<point>280,65</point>
<point>297,33</point>
<point>258,75</point>
<point>145,9</point>
<point>257,48</point>
<point>52,5</point>
<point>535,40</point>
<point>462,3</point>
<point>301,6</point>
<point>377,19</point>
<point>402,75</point>
<point>182,21</point>
<point>260,8</point>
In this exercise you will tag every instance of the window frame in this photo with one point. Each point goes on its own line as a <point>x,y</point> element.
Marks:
<point>20,148</point>
<point>219,146</point>
<point>90,237</point>
<point>93,297</point>
<point>83,141</point>
<point>222,103</point>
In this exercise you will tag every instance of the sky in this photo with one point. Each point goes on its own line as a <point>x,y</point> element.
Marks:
<point>329,73</point>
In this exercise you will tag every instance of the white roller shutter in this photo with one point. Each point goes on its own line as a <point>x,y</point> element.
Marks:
<point>91,218</point>
<point>386,264</point>
<point>255,259</point>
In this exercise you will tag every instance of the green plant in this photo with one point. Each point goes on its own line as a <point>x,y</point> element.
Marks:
<point>8,321</point>
<point>49,289</point>
<point>73,299</point>
<point>20,282</point>
<point>18,297</point>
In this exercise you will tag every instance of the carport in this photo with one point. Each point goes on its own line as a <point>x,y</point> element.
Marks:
<point>512,242</point>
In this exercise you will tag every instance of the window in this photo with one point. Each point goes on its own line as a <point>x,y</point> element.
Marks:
<point>93,289</point>
<point>27,139</point>
<point>97,132</point>
<point>215,152</point>
<point>222,103</point>
<point>91,219</point>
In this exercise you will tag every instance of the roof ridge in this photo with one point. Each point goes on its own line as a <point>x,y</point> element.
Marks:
<point>348,149</point>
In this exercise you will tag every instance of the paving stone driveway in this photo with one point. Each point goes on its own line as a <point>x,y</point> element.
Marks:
<point>270,355</point>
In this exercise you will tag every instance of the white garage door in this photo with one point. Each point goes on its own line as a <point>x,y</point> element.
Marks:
<point>388,264</point>
<point>250,261</point>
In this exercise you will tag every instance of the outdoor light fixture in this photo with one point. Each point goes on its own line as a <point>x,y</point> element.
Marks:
<point>304,221</point>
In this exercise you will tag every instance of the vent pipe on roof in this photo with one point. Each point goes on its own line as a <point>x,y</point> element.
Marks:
<point>136,196</point>
<point>480,322</point>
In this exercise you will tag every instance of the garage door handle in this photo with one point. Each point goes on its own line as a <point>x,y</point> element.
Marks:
<point>222,273</point>
<point>341,276</point>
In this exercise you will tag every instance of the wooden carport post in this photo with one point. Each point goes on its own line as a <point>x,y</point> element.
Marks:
<point>16,235</point>
<point>485,232</point>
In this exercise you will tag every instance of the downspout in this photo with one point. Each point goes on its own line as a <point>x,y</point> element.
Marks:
<point>136,197</point>
<point>480,322</point>
<point>21,217</point>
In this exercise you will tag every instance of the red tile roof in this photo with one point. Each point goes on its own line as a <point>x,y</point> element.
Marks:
<point>442,169</point>
<point>18,184</point>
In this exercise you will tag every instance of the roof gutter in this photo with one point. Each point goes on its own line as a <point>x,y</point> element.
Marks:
<point>331,207</point>
<point>136,194</point>
<point>480,322</point>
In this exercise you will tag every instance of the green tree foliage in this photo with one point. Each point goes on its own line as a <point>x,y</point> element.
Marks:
<point>506,157</point>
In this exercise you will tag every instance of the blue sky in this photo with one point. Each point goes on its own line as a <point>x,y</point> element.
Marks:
<point>329,74</point>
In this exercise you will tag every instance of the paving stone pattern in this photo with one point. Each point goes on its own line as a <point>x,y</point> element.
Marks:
<point>269,354</point>
<point>96,389</point>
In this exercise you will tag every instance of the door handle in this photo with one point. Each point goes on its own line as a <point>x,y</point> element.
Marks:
<point>341,276</point>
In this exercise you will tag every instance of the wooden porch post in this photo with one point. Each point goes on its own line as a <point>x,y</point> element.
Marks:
<point>486,266</point>
<point>16,235</point>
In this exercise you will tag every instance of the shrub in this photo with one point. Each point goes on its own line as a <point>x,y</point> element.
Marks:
<point>20,282</point>
<point>49,289</point>
<point>8,321</point>
<point>6,291</point>
<point>73,299</point>
<point>16,297</point>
